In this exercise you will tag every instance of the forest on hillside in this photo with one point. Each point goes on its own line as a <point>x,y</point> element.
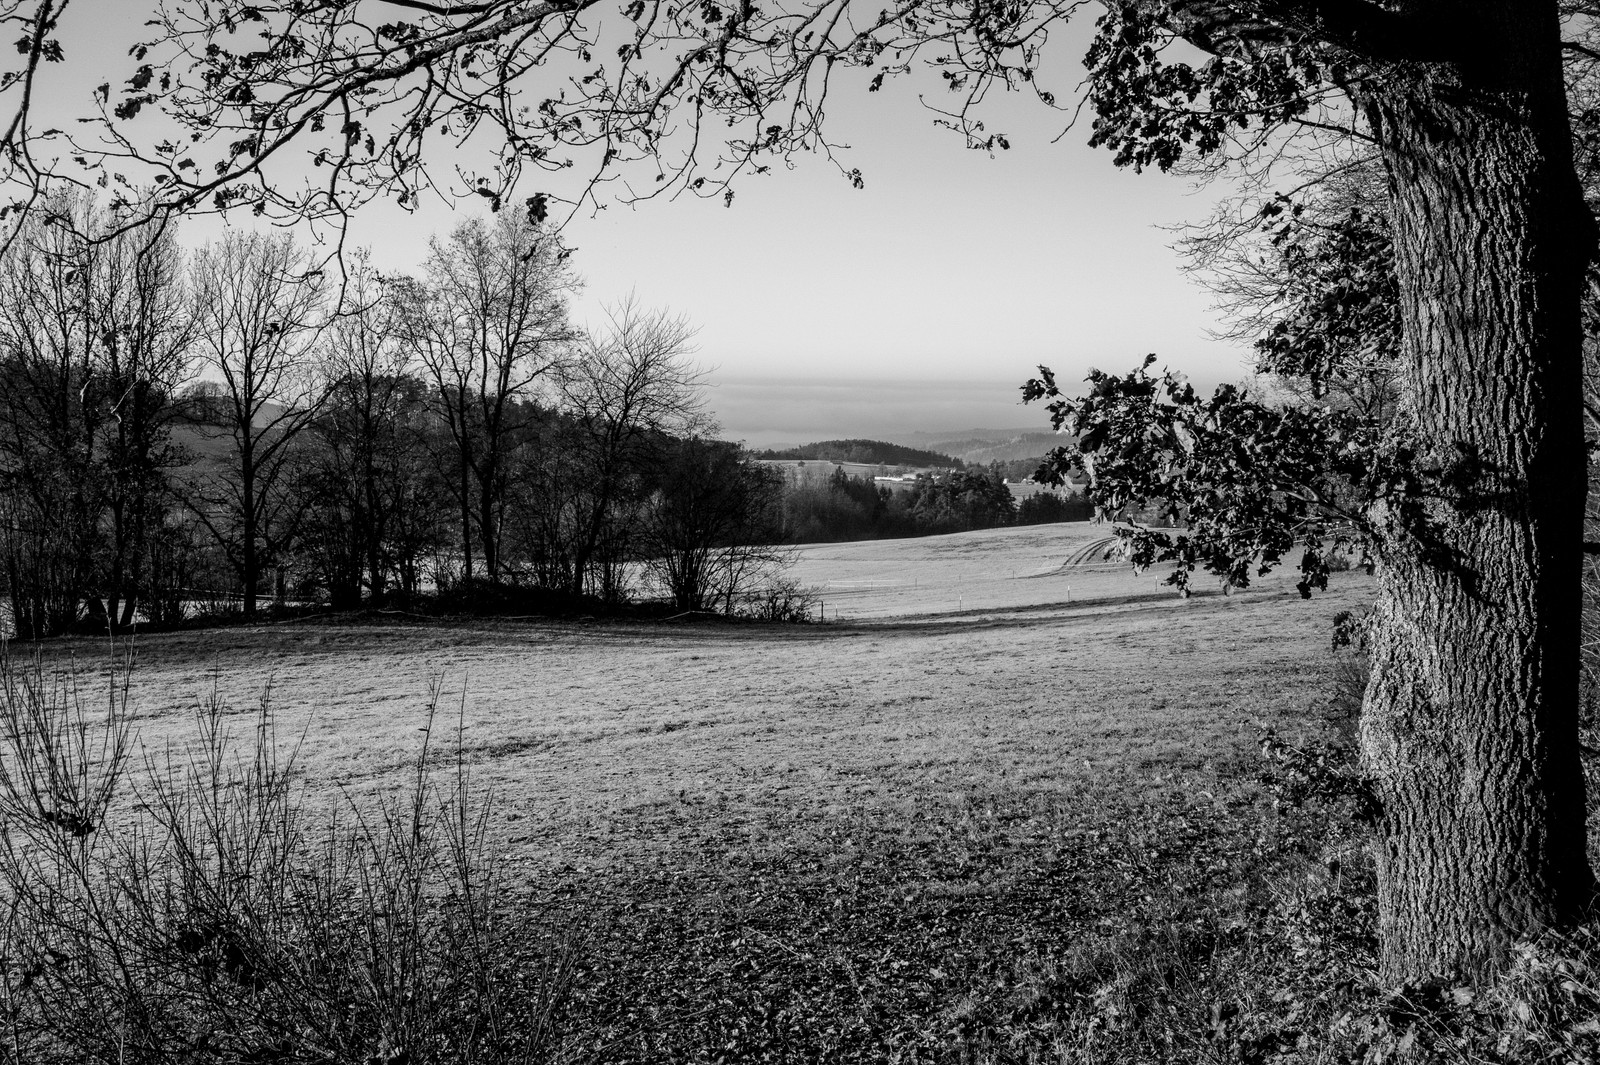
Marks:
<point>866,452</point>
<point>856,508</point>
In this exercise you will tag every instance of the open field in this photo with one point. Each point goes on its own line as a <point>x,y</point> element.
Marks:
<point>1032,570</point>
<point>839,841</point>
<point>938,673</point>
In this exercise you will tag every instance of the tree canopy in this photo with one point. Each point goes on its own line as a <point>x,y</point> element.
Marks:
<point>315,107</point>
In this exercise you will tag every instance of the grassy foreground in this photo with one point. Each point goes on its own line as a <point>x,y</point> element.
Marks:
<point>1026,829</point>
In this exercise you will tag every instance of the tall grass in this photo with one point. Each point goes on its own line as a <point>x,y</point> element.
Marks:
<point>188,907</point>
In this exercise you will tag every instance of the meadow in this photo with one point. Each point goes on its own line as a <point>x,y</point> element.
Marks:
<point>937,674</point>
<point>944,822</point>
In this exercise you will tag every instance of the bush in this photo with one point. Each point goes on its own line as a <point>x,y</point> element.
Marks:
<point>1350,670</point>
<point>782,600</point>
<point>512,597</point>
<point>195,913</point>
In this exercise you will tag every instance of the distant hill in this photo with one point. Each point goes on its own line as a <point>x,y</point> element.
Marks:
<point>868,452</point>
<point>925,438</point>
<point>979,447</point>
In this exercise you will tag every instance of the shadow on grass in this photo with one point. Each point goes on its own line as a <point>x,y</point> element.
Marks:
<point>985,928</point>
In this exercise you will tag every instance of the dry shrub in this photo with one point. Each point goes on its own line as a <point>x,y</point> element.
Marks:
<point>195,912</point>
<point>781,600</point>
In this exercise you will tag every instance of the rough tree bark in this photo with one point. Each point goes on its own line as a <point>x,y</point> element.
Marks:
<point>1470,728</point>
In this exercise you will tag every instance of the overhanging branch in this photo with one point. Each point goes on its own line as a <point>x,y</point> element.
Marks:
<point>1364,29</point>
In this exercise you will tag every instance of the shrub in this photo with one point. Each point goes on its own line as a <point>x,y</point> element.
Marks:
<point>514,598</point>
<point>782,600</point>
<point>195,912</point>
<point>1349,671</point>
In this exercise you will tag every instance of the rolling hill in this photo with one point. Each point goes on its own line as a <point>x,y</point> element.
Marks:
<point>867,452</point>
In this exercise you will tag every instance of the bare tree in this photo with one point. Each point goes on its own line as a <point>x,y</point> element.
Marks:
<point>488,321</point>
<point>372,451</point>
<point>630,384</point>
<point>259,312</point>
<point>93,340</point>
<point>53,421</point>
<point>145,355</point>
<point>1307,277</point>
<point>710,531</point>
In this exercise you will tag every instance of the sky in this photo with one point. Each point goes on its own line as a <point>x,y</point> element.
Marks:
<point>921,301</point>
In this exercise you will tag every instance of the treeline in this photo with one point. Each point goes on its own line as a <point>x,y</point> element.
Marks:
<point>856,508</point>
<point>182,432</point>
<point>867,452</point>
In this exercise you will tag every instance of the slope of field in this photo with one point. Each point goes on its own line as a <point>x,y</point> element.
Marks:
<point>977,447</point>
<point>826,839</point>
<point>938,670</point>
<point>1031,569</point>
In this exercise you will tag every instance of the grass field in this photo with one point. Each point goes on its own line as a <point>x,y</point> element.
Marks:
<point>923,825</point>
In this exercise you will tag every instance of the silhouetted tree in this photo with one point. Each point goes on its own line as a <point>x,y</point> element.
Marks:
<point>372,460</point>
<point>709,532</point>
<point>1044,507</point>
<point>94,332</point>
<point>145,354</point>
<point>628,386</point>
<point>259,311</point>
<point>487,319</point>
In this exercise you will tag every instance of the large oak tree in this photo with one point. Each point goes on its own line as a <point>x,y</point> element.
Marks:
<point>1471,494</point>
<point>1476,488</point>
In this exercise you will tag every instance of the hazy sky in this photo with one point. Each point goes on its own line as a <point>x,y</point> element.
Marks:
<point>919,302</point>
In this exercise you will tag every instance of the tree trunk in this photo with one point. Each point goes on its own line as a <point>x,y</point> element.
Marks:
<point>118,585</point>
<point>489,528</point>
<point>139,562</point>
<point>133,569</point>
<point>466,521</point>
<point>376,510</point>
<point>377,577</point>
<point>249,559</point>
<point>1470,728</point>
